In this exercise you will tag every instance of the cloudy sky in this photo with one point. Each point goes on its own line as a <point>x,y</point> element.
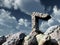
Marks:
<point>15,15</point>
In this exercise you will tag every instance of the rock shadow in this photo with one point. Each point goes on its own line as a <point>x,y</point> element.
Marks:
<point>51,42</point>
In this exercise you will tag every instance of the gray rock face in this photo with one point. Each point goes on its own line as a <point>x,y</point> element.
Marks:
<point>54,32</point>
<point>30,41</point>
<point>15,39</point>
<point>35,19</point>
<point>2,39</point>
<point>42,38</point>
<point>31,38</point>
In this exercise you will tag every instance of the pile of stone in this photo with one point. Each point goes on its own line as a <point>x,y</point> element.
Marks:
<point>50,37</point>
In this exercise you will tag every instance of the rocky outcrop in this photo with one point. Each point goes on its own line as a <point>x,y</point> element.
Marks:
<point>35,20</point>
<point>36,37</point>
<point>15,39</point>
<point>54,32</point>
<point>31,38</point>
<point>42,38</point>
<point>2,39</point>
<point>50,37</point>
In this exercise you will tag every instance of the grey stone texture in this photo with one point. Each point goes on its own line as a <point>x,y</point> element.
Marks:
<point>54,32</point>
<point>35,22</point>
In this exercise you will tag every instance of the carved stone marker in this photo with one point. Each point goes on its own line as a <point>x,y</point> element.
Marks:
<point>35,21</point>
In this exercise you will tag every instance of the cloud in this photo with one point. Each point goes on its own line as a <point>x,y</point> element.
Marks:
<point>27,6</point>
<point>9,24</point>
<point>37,0</point>
<point>50,4</point>
<point>21,21</point>
<point>44,25</point>
<point>56,14</point>
<point>55,20</point>
<point>10,3</point>
<point>24,22</point>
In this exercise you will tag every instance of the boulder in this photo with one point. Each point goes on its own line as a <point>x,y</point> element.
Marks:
<point>54,32</point>
<point>15,39</point>
<point>42,38</point>
<point>50,42</point>
<point>31,38</point>
<point>2,39</point>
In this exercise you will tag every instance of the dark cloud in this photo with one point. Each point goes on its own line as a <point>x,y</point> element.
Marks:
<point>50,4</point>
<point>17,13</point>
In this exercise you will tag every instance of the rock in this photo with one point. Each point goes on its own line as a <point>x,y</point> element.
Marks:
<point>54,32</point>
<point>51,29</point>
<point>31,38</point>
<point>15,39</point>
<point>2,39</point>
<point>21,36</point>
<point>41,38</point>
<point>30,41</point>
<point>49,42</point>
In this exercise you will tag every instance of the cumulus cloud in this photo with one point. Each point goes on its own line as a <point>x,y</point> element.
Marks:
<point>55,20</point>
<point>24,22</point>
<point>44,25</point>
<point>9,24</point>
<point>10,3</point>
<point>24,25</point>
<point>27,6</point>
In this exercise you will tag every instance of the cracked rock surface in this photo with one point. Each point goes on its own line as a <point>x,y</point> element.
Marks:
<point>54,32</point>
<point>15,39</point>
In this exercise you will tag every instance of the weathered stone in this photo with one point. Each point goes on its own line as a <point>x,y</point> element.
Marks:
<point>30,40</point>
<point>35,21</point>
<point>41,39</point>
<point>54,32</point>
<point>15,39</point>
<point>2,39</point>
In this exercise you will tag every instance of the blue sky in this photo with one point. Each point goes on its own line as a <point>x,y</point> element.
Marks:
<point>15,15</point>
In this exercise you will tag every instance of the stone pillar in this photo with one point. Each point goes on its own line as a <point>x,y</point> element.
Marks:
<point>35,21</point>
